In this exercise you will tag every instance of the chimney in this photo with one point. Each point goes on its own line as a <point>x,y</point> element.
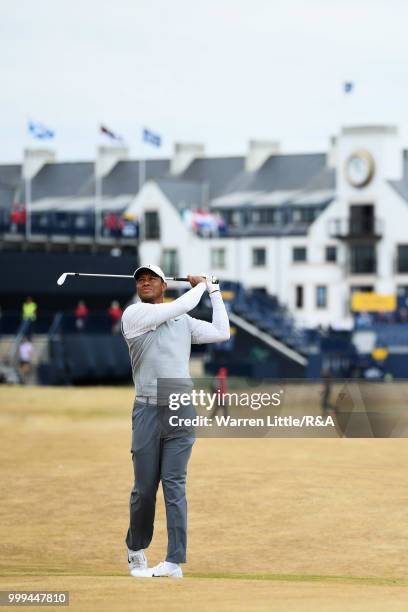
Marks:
<point>259,151</point>
<point>34,160</point>
<point>332,153</point>
<point>184,154</point>
<point>108,157</point>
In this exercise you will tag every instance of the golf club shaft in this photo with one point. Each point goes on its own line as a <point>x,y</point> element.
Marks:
<point>171,278</point>
<point>100,275</point>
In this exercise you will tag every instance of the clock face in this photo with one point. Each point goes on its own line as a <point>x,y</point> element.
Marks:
<point>360,168</point>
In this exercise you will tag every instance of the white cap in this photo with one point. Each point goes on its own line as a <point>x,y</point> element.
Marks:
<point>151,268</point>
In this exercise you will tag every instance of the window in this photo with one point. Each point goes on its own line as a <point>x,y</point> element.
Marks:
<point>402,291</point>
<point>218,258</point>
<point>260,290</point>
<point>169,262</point>
<point>299,254</point>
<point>402,258</point>
<point>362,220</point>
<point>152,225</point>
<point>306,214</point>
<point>321,296</point>
<point>299,296</point>
<point>264,216</point>
<point>331,253</point>
<point>232,218</point>
<point>361,289</point>
<point>363,259</point>
<point>258,257</point>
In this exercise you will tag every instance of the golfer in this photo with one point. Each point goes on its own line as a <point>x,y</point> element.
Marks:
<point>159,336</point>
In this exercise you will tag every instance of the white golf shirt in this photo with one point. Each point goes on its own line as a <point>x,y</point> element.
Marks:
<point>159,336</point>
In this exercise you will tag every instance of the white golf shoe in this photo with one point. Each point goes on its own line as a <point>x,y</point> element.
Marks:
<point>137,562</point>
<point>166,569</point>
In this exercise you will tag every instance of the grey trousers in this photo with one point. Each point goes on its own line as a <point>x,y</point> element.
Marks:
<point>160,452</point>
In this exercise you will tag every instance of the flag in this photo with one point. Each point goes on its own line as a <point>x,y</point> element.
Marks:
<point>106,132</point>
<point>39,130</point>
<point>348,87</point>
<point>151,138</point>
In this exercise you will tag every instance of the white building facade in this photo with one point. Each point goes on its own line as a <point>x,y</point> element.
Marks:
<point>308,229</point>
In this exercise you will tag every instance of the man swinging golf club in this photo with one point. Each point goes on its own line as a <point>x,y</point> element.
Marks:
<point>159,336</point>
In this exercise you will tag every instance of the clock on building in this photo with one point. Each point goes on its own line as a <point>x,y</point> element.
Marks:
<point>359,168</point>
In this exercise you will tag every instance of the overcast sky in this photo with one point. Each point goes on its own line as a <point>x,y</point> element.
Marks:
<point>218,72</point>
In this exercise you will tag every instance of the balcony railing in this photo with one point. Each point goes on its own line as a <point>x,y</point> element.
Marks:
<point>351,229</point>
<point>70,226</point>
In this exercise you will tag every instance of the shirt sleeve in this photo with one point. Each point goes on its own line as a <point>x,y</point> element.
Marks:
<point>142,317</point>
<point>203,332</point>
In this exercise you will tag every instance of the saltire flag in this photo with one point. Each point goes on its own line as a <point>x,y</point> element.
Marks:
<point>348,87</point>
<point>151,138</point>
<point>39,130</point>
<point>107,132</point>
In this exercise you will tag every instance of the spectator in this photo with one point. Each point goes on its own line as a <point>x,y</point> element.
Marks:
<point>17,219</point>
<point>403,315</point>
<point>219,387</point>
<point>81,315</point>
<point>326,392</point>
<point>25,352</point>
<point>29,314</point>
<point>110,224</point>
<point>364,320</point>
<point>115,313</point>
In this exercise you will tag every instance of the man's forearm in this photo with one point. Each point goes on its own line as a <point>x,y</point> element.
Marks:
<point>218,330</point>
<point>219,314</point>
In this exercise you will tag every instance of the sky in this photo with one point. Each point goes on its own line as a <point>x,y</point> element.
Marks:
<point>216,72</point>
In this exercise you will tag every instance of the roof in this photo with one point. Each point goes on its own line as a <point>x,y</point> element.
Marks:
<point>124,177</point>
<point>62,179</point>
<point>216,172</point>
<point>401,186</point>
<point>10,175</point>
<point>285,172</point>
<point>82,204</point>
<point>9,184</point>
<point>77,178</point>
<point>225,182</point>
<point>183,194</point>
<point>304,178</point>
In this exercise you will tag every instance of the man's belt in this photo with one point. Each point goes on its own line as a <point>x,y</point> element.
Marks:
<point>143,399</point>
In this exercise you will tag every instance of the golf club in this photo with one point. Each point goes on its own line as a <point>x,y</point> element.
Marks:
<point>61,280</point>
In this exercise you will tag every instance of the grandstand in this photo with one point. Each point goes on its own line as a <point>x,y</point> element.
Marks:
<point>292,237</point>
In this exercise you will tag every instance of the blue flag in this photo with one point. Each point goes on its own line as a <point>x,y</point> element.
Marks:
<point>151,138</point>
<point>39,130</point>
<point>348,87</point>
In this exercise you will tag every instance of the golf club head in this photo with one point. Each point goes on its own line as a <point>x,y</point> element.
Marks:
<point>62,279</point>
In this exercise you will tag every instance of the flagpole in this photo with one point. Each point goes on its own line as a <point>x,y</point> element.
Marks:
<point>28,207</point>
<point>98,204</point>
<point>142,166</point>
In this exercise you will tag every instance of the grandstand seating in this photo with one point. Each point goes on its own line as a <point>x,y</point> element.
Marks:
<point>265,312</point>
<point>391,335</point>
<point>93,353</point>
<point>86,359</point>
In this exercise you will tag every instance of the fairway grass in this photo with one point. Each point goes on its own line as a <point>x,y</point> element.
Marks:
<point>274,524</point>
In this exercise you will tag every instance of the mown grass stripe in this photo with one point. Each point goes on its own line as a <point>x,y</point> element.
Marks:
<point>358,580</point>
<point>367,580</point>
